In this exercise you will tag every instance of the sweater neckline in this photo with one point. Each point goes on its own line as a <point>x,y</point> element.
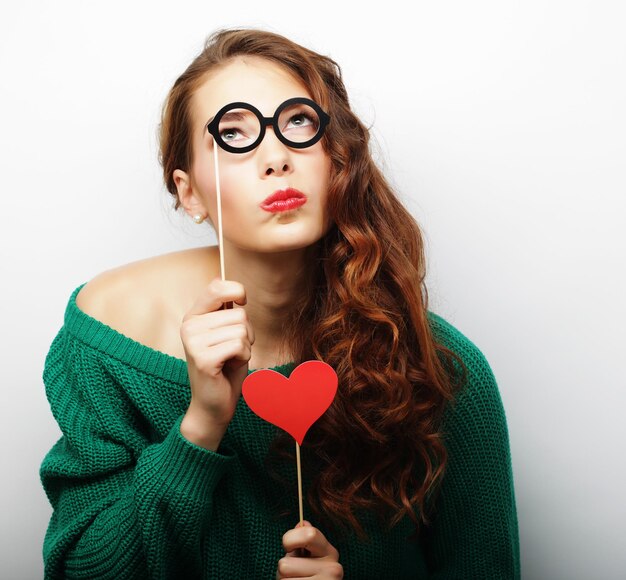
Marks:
<point>106,339</point>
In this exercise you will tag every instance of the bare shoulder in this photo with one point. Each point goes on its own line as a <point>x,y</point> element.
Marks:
<point>147,299</point>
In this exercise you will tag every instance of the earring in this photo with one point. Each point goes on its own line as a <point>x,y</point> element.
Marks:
<point>198,218</point>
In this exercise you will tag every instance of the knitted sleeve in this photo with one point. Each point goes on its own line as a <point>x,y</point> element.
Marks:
<point>127,502</point>
<point>475,530</point>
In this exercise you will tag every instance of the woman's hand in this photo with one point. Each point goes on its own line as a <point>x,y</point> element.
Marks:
<point>217,346</point>
<point>322,560</point>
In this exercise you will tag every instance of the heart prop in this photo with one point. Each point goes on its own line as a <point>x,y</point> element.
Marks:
<point>293,403</point>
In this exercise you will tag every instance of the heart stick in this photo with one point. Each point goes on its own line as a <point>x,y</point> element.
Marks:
<point>293,404</point>
<point>299,468</point>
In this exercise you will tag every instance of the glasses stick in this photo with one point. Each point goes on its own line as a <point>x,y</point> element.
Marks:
<point>227,305</point>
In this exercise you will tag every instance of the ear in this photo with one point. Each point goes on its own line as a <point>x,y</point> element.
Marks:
<point>188,197</point>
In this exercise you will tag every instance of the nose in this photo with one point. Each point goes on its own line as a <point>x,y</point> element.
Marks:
<point>274,156</point>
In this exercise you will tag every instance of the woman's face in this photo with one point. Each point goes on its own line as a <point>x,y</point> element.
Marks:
<point>247,179</point>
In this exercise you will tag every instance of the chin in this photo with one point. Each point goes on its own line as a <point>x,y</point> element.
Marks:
<point>290,244</point>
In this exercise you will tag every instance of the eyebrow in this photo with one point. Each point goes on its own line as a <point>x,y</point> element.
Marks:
<point>230,116</point>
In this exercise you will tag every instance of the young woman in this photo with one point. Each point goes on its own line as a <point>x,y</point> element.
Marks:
<point>164,472</point>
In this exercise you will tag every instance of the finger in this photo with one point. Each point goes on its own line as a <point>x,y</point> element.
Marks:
<point>199,323</point>
<point>311,539</point>
<point>301,552</point>
<point>216,294</point>
<point>289,567</point>
<point>233,352</point>
<point>209,338</point>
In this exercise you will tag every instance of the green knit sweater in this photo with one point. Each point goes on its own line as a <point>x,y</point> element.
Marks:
<point>132,498</point>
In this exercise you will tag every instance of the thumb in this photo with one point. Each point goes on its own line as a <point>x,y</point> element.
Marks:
<point>301,552</point>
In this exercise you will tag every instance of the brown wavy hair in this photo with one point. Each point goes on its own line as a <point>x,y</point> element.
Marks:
<point>378,447</point>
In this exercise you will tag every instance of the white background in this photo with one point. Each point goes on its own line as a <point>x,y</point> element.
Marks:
<point>502,125</point>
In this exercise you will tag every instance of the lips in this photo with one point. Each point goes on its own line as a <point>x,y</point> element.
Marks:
<point>283,200</point>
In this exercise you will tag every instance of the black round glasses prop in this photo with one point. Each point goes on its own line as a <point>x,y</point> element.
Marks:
<point>240,127</point>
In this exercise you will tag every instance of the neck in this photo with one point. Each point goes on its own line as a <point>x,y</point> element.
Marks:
<point>273,283</point>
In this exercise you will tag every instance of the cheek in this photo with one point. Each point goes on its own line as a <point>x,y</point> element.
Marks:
<point>204,176</point>
<point>205,183</point>
<point>323,169</point>
<point>233,180</point>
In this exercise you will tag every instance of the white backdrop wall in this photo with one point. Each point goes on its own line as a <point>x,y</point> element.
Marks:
<point>501,124</point>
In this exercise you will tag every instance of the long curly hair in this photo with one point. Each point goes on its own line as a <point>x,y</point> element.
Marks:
<point>378,447</point>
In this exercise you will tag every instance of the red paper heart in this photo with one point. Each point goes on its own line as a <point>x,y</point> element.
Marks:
<point>293,403</point>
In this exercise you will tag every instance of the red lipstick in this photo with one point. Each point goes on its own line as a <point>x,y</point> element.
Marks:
<point>284,200</point>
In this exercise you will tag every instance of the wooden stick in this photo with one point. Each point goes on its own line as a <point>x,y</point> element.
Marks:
<point>219,210</point>
<point>299,482</point>
<point>220,236</point>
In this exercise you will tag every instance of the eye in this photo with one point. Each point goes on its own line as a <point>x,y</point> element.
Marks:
<point>229,134</point>
<point>301,120</point>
